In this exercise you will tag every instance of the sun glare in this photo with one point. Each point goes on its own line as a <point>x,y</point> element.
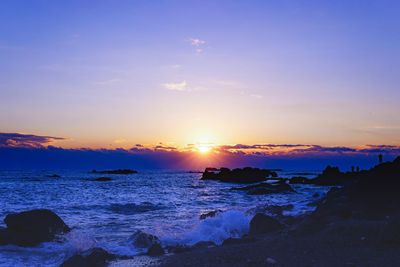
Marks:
<point>204,148</point>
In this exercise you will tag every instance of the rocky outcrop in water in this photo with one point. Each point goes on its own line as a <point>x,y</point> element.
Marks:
<point>95,257</point>
<point>30,228</point>
<point>245,175</point>
<point>266,188</point>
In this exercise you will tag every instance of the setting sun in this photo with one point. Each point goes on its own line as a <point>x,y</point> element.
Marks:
<point>204,148</point>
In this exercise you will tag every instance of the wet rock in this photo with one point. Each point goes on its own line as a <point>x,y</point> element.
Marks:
<point>117,171</point>
<point>96,257</point>
<point>143,240</point>
<point>209,214</point>
<point>155,250</point>
<point>263,224</point>
<point>30,228</point>
<point>245,175</point>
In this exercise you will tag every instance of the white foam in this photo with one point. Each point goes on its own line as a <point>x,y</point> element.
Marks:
<point>217,229</point>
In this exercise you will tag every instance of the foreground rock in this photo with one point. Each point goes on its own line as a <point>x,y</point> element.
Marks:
<point>266,188</point>
<point>264,224</point>
<point>30,228</point>
<point>118,171</point>
<point>96,257</point>
<point>245,175</point>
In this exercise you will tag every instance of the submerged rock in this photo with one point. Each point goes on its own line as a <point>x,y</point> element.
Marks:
<point>96,257</point>
<point>263,224</point>
<point>30,228</point>
<point>245,175</point>
<point>143,240</point>
<point>102,179</point>
<point>117,171</point>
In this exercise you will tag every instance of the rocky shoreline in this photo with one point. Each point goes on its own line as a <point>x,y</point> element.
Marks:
<point>357,224</point>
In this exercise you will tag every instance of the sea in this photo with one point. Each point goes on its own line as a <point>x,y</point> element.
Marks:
<point>164,203</point>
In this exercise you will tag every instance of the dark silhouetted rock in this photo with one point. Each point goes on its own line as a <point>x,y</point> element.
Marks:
<point>209,214</point>
<point>266,188</point>
<point>263,224</point>
<point>118,171</point>
<point>96,257</point>
<point>155,250</point>
<point>143,240</point>
<point>245,175</point>
<point>30,228</point>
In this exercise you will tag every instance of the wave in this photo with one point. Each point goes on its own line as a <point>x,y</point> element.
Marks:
<point>223,226</point>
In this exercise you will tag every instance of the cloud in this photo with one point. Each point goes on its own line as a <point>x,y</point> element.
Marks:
<point>26,140</point>
<point>197,42</point>
<point>179,86</point>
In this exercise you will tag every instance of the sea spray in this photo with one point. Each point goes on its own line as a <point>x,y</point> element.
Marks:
<point>224,225</point>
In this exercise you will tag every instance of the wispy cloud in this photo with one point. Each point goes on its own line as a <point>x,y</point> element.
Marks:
<point>178,86</point>
<point>26,140</point>
<point>197,42</point>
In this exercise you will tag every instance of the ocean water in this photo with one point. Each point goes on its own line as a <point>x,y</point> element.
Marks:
<point>105,214</point>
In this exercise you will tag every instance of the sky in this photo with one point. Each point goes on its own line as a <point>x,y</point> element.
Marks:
<point>117,74</point>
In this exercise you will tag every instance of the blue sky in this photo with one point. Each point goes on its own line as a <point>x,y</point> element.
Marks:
<point>116,73</point>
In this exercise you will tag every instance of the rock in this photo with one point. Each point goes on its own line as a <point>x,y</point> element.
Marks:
<point>143,240</point>
<point>118,171</point>
<point>155,250</point>
<point>245,175</point>
<point>30,228</point>
<point>102,179</point>
<point>178,248</point>
<point>236,241</point>
<point>209,214</point>
<point>263,224</point>
<point>96,257</point>
<point>266,188</point>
